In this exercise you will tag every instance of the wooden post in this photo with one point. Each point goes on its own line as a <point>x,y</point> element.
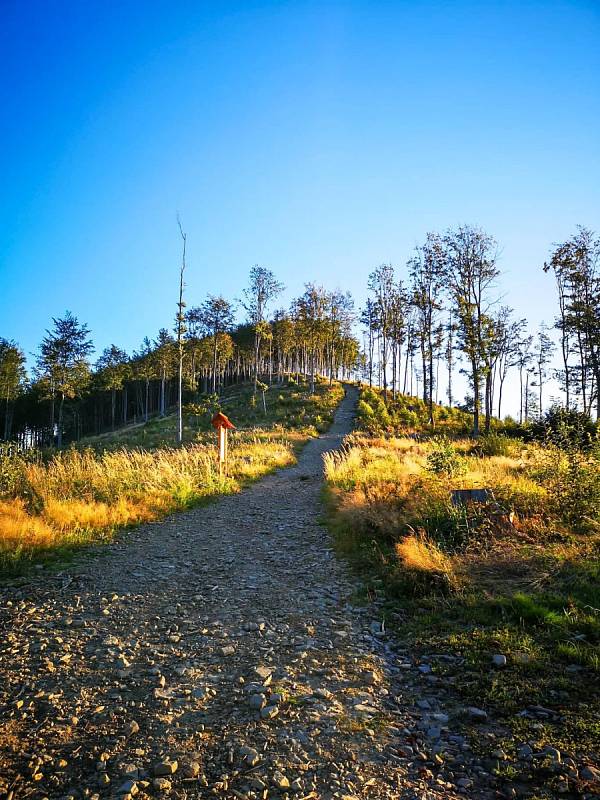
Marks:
<point>222,425</point>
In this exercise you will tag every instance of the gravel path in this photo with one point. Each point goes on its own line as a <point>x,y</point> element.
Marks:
<point>218,654</point>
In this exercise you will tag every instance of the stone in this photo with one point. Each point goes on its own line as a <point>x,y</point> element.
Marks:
<point>525,752</point>
<point>552,753</point>
<point>264,673</point>
<point>133,727</point>
<point>249,756</point>
<point>269,712</point>
<point>165,768</point>
<point>161,784</point>
<point>476,714</point>
<point>128,787</point>
<point>499,661</point>
<point>590,773</point>
<point>130,771</point>
<point>190,769</point>
<point>280,781</point>
<point>257,701</point>
<point>424,669</point>
<point>228,650</point>
<point>103,779</point>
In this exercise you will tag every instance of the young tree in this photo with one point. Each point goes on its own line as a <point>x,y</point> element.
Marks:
<point>180,328</point>
<point>165,357</point>
<point>112,369</point>
<point>576,265</point>
<point>523,362</point>
<point>12,379</point>
<point>263,288</point>
<point>543,352</point>
<point>427,276</point>
<point>217,319</point>
<point>469,261</point>
<point>62,363</point>
<point>310,312</point>
<point>144,369</point>
<point>381,283</point>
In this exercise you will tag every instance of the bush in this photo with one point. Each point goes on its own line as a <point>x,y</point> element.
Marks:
<point>496,444</point>
<point>444,460</point>
<point>566,427</point>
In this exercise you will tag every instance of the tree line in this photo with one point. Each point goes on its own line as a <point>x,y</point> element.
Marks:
<point>443,313</point>
<point>446,312</point>
<point>69,396</point>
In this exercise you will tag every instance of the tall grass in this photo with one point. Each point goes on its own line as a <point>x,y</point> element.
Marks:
<point>78,496</point>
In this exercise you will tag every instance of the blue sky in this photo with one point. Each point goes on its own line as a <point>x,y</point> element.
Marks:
<point>319,139</point>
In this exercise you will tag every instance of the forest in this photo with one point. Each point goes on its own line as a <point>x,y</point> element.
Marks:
<point>444,313</point>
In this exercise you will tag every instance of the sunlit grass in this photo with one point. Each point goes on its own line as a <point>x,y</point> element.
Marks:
<point>83,495</point>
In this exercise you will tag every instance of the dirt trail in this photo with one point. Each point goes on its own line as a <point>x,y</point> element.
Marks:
<point>218,654</point>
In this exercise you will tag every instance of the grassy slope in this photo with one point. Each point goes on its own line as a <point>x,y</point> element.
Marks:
<point>51,507</point>
<point>476,584</point>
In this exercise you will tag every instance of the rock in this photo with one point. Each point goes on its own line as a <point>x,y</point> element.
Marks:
<point>434,733</point>
<point>257,701</point>
<point>249,756</point>
<point>133,727</point>
<point>128,787</point>
<point>464,783</point>
<point>424,669</point>
<point>228,650</point>
<point>280,781</point>
<point>476,714</point>
<point>269,712</point>
<point>130,771</point>
<point>376,628</point>
<point>552,753</point>
<point>165,768</point>
<point>499,660</point>
<point>524,752</point>
<point>190,769</point>
<point>103,779</point>
<point>264,673</point>
<point>162,784</point>
<point>590,773</point>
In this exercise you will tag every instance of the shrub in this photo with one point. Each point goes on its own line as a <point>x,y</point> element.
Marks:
<point>496,444</point>
<point>444,460</point>
<point>566,427</point>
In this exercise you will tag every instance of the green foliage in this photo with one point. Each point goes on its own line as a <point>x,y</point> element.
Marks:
<point>496,444</point>
<point>444,460</point>
<point>13,465</point>
<point>565,428</point>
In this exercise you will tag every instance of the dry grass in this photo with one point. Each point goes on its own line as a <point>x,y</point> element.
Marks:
<point>81,496</point>
<point>419,553</point>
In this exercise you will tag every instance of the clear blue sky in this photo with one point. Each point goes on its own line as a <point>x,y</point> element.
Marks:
<point>318,139</point>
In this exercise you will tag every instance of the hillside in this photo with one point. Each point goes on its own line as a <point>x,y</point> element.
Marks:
<point>504,592</point>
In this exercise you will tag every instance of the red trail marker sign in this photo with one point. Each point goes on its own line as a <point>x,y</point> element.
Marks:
<point>223,425</point>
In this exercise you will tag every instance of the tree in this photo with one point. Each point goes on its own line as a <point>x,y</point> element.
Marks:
<point>381,283</point>
<point>180,329</point>
<point>543,352</point>
<point>310,314</point>
<point>62,364</point>
<point>576,266</point>
<point>263,288</point>
<point>165,357</point>
<point>112,367</point>
<point>469,263</point>
<point>216,315</point>
<point>523,362</point>
<point>427,277</point>
<point>12,379</point>
<point>144,369</point>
